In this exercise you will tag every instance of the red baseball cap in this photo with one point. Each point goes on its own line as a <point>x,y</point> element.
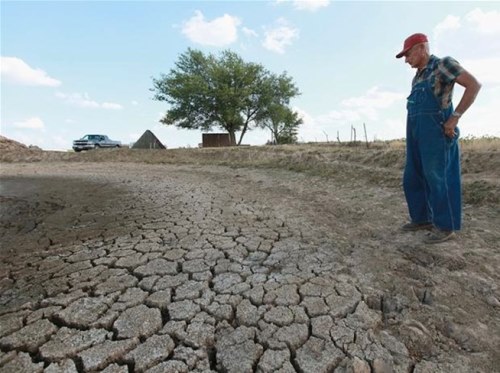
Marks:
<point>410,42</point>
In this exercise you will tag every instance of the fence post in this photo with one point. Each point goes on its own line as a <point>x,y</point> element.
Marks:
<point>366,137</point>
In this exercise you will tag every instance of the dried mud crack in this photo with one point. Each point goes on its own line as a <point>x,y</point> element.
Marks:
<point>163,268</point>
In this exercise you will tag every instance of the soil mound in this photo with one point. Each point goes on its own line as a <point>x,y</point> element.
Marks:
<point>8,145</point>
<point>14,151</point>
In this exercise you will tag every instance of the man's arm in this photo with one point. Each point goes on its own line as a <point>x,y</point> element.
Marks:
<point>472,87</point>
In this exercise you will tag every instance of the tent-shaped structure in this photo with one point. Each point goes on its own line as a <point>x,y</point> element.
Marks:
<point>148,141</point>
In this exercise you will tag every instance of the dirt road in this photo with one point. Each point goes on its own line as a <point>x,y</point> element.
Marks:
<point>161,268</point>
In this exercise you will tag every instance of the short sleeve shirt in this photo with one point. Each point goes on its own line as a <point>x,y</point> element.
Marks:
<point>442,73</point>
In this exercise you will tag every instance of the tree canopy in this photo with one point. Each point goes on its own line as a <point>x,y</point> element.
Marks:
<point>206,91</point>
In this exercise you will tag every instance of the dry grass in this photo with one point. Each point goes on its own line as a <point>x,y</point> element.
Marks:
<point>478,155</point>
<point>483,144</point>
<point>380,163</point>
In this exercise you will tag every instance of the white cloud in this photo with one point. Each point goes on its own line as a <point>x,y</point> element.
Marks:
<point>249,32</point>
<point>309,5</point>
<point>325,127</point>
<point>219,32</point>
<point>339,116</point>
<point>474,35</point>
<point>280,36</point>
<point>33,123</point>
<point>484,22</point>
<point>111,106</point>
<point>77,99</point>
<point>359,108</point>
<point>18,71</point>
<point>84,101</point>
<point>476,44</point>
<point>135,103</point>
<point>373,100</point>
<point>450,23</point>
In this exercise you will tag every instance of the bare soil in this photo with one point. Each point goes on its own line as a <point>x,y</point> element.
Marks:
<point>342,207</point>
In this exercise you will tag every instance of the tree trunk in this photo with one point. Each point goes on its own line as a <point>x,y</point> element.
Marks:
<point>276,135</point>
<point>242,134</point>
<point>232,137</point>
<point>243,131</point>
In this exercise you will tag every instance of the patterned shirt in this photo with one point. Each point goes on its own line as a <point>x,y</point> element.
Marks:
<point>442,77</point>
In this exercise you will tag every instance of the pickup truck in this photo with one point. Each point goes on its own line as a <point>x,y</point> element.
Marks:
<point>88,142</point>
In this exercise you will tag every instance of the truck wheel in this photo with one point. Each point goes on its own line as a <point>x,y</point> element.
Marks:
<point>97,146</point>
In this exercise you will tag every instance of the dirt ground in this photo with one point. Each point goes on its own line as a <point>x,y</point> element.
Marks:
<point>313,271</point>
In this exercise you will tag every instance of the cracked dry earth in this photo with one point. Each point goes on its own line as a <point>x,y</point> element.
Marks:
<point>160,268</point>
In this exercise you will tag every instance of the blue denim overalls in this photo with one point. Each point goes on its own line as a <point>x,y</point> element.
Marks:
<point>431,180</point>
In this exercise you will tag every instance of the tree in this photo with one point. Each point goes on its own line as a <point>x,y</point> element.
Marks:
<point>209,91</point>
<point>276,114</point>
<point>285,130</point>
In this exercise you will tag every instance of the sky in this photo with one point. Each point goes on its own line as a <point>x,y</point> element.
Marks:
<point>70,68</point>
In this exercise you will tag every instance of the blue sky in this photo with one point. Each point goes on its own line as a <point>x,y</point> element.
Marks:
<point>74,67</point>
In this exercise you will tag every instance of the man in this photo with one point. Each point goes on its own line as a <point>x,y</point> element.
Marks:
<point>431,180</point>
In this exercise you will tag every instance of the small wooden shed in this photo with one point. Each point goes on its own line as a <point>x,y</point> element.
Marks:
<point>215,140</point>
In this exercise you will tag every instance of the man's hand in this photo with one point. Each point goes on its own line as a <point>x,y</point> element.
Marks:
<point>449,126</point>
